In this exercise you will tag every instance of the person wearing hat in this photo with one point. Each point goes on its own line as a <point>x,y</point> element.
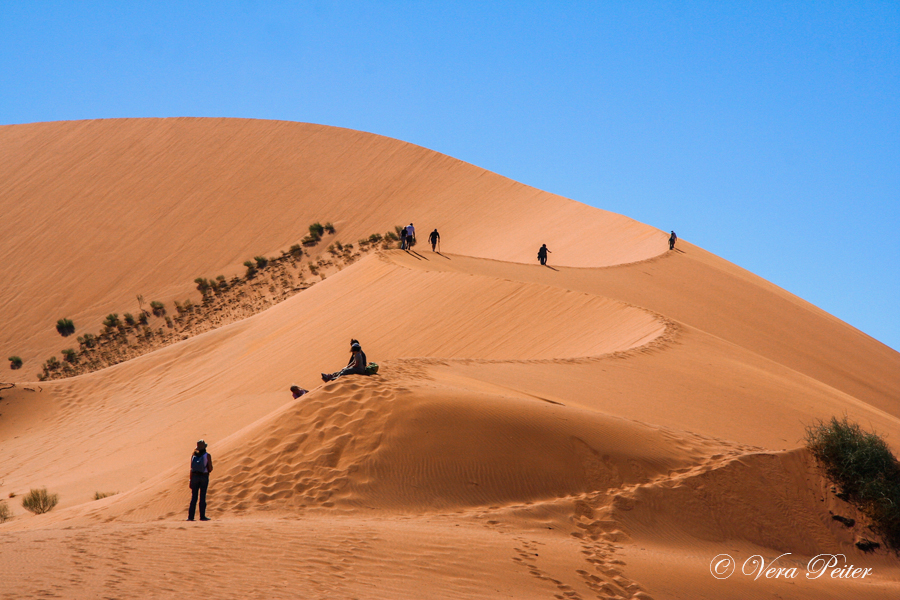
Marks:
<point>201,467</point>
<point>356,366</point>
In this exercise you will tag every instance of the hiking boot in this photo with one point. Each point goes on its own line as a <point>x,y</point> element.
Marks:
<point>204,518</point>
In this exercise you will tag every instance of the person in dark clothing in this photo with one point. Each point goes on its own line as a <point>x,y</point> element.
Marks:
<point>672,239</point>
<point>403,245</point>
<point>434,237</point>
<point>201,467</point>
<point>298,391</point>
<point>542,254</point>
<point>356,366</point>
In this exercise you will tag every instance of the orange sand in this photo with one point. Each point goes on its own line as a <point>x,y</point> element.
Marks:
<point>599,429</point>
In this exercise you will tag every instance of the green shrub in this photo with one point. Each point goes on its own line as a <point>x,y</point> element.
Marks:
<point>142,319</point>
<point>52,364</point>
<point>39,501</point>
<point>374,238</point>
<point>203,285</point>
<point>317,229</point>
<point>296,251</point>
<point>15,362</point>
<point>88,341</point>
<point>101,495</point>
<point>158,308</point>
<point>129,319</point>
<point>865,470</point>
<point>251,269</point>
<point>391,236</point>
<point>261,262</point>
<point>329,227</point>
<point>69,355</point>
<point>5,513</point>
<point>65,327</point>
<point>169,322</point>
<point>111,321</point>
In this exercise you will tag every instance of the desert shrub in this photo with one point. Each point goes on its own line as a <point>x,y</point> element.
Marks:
<point>69,355</point>
<point>142,318</point>
<point>88,341</point>
<point>158,308</point>
<point>221,283</point>
<point>101,495</point>
<point>251,269</point>
<point>362,243</point>
<point>203,285</point>
<point>329,227</point>
<point>391,236</point>
<point>261,262</point>
<point>65,327</point>
<point>39,501</point>
<point>375,238</point>
<point>316,229</point>
<point>15,362</point>
<point>398,230</point>
<point>111,321</point>
<point>188,306</point>
<point>129,319</point>
<point>865,470</point>
<point>310,240</point>
<point>179,308</point>
<point>296,251</point>
<point>52,364</point>
<point>5,513</point>
<point>169,322</point>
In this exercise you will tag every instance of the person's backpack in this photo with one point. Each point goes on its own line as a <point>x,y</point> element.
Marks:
<point>198,463</point>
<point>371,368</point>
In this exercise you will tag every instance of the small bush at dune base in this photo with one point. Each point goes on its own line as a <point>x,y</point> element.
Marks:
<point>5,513</point>
<point>15,362</point>
<point>158,308</point>
<point>65,327</point>
<point>101,495</point>
<point>39,501</point>
<point>864,468</point>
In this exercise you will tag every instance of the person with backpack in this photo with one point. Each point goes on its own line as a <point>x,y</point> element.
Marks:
<point>542,254</point>
<point>356,366</point>
<point>201,467</point>
<point>434,237</point>
<point>672,239</point>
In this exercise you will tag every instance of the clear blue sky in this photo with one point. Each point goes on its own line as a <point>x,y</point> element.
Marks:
<point>767,133</point>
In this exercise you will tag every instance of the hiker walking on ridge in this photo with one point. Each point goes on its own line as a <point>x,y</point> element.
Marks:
<point>542,254</point>
<point>403,245</point>
<point>410,236</point>
<point>672,239</point>
<point>434,237</point>
<point>201,467</point>
<point>356,366</point>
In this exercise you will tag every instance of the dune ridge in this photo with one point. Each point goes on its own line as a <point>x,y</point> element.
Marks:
<point>599,429</point>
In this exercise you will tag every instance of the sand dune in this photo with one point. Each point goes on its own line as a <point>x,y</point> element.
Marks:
<point>599,429</point>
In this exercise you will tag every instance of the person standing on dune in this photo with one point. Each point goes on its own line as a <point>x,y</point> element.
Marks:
<point>672,239</point>
<point>434,237</point>
<point>542,254</point>
<point>201,467</point>
<point>403,245</point>
<point>410,236</point>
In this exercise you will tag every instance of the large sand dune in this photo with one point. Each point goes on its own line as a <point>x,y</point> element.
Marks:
<point>598,429</point>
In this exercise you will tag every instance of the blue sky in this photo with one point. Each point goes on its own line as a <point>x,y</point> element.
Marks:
<point>767,133</point>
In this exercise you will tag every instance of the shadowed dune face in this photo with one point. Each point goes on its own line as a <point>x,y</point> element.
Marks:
<point>95,212</point>
<point>603,428</point>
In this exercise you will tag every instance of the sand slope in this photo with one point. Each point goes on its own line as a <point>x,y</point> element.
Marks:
<point>598,429</point>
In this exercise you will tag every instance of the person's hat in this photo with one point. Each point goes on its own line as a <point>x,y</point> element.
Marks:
<point>295,387</point>
<point>355,346</point>
<point>201,443</point>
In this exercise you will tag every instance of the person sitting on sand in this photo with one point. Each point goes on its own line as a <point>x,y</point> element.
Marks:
<point>356,366</point>
<point>201,467</point>
<point>298,391</point>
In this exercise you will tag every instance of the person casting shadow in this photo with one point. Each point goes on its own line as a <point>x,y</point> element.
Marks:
<point>201,467</point>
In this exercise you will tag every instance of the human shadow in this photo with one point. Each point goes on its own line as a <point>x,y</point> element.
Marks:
<point>442,256</point>
<point>551,268</point>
